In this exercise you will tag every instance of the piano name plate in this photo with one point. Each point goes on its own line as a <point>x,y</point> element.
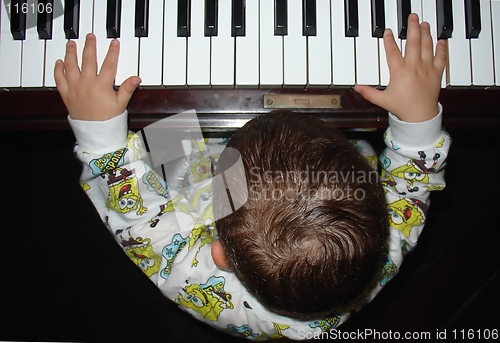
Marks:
<point>298,101</point>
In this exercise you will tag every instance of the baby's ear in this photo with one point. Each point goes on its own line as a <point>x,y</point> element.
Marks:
<point>219,256</point>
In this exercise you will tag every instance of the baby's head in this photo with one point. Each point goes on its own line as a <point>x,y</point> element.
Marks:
<point>312,234</point>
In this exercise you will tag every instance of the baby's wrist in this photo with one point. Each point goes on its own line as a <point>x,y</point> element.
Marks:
<point>416,134</point>
<point>419,114</point>
<point>100,136</point>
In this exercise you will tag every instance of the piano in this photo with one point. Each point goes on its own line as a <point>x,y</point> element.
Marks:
<point>231,60</point>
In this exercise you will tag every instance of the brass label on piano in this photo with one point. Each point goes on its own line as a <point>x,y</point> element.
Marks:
<point>295,101</point>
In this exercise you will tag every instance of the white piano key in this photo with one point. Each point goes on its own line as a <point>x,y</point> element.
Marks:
<point>391,22</point>
<point>294,48</point>
<point>151,47</point>
<point>247,48</point>
<point>429,15</point>
<point>319,48</point>
<point>33,51</point>
<point>271,47</point>
<point>86,15</point>
<point>128,63</point>
<point>495,21</point>
<point>55,48</point>
<point>175,49</point>
<point>343,58</point>
<point>482,50</point>
<point>416,7</point>
<point>198,62</point>
<point>99,30</point>
<point>222,67</point>
<point>367,69</point>
<point>10,53</point>
<point>459,49</point>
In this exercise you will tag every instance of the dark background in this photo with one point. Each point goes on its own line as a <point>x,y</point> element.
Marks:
<point>65,279</point>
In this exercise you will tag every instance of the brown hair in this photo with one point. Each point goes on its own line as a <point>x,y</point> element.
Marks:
<point>312,233</point>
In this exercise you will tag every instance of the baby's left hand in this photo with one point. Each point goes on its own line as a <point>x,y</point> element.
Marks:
<point>86,94</point>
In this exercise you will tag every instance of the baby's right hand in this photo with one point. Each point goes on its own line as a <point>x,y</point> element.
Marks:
<point>86,94</point>
<point>415,79</point>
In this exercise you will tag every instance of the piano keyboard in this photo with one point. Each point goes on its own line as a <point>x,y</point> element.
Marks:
<point>245,43</point>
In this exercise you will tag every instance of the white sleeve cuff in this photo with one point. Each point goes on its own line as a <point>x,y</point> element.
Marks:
<point>423,135</point>
<point>100,136</point>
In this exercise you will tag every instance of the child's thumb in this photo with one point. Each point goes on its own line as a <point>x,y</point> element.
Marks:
<point>127,88</point>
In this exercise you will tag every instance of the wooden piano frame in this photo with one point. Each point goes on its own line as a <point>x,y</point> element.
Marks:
<point>229,109</point>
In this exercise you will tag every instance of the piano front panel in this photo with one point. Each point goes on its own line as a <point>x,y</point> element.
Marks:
<point>219,47</point>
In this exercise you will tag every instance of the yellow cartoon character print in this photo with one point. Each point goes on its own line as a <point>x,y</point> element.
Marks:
<point>85,186</point>
<point>326,324</point>
<point>405,213</point>
<point>200,144</point>
<point>171,251</point>
<point>242,331</point>
<point>204,232</point>
<point>124,193</point>
<point>411,174</point>
<point>279,330</point>
<point>140,251</point>
<point>201,169</point>
<point>203,194</point>
<point>208,299</point>
<point>417,171</point>
<point>136,146</point>
<point>390,269</point>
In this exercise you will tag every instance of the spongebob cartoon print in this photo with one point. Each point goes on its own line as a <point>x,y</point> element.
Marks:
<point>208,299</point>
<point>124,193</point>
<point>171,251</point>
<point>134,142</point>
<point>107,162</point>
<point>390,269</point>
<point>201,169</point>
<point>326,324</point>
<point>416,171</point>
<point>242,331</point>
<point>154,182</point>
<point>140,251</point>
<point>404,214</point>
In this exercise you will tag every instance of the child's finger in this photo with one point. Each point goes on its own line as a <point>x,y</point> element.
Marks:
<point>110,63</point>
<point>89,56</point>
<point>427,53</point>
<point>127,89</point>
<point>440,57</point>
<point>393,55</point>
<point>60,78</point>
<point>71,62</point>
<point>371,94</point>
<point>413,39</point>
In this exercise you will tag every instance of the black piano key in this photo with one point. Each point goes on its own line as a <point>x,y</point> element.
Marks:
<point>351,18</point>
<point>141,18</point>
<point>113,18</point>
<point>18,10</point>
<point>378,18</point>
<point>309,17</point>
<point>280,17</point>
<point>211,14</point>
<point>44,19</point>
<point>404,10</point>
<point>238,18</point>
<point>183,18</point>
<point>444,18</point>
<point>472,19</point>
<point>71,18</point>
